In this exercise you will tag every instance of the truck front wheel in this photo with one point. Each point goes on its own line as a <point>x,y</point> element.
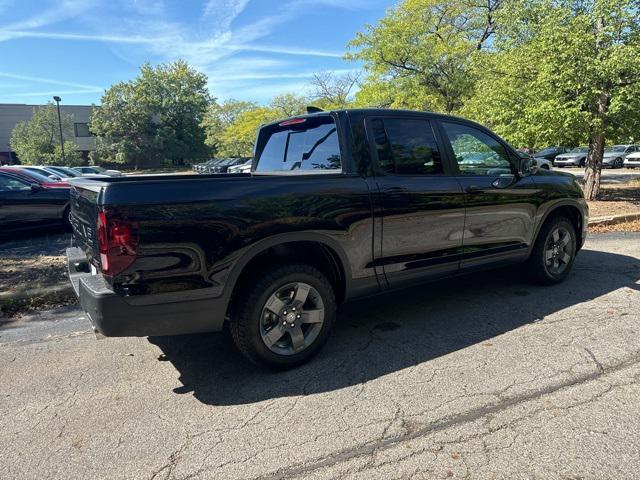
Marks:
<point>285,317</point>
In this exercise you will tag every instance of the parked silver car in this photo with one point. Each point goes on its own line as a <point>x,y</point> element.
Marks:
<point>614,156</point>
<point>574,158</point>
<point>242,168</point>
<point>93,170</point>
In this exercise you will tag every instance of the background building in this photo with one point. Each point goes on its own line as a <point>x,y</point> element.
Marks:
<point>12,113</point>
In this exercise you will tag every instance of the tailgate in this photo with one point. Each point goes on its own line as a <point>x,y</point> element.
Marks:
<point>84,218</point>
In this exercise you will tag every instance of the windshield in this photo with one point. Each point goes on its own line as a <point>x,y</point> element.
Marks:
<point>39,177</point>
<point>299,144</point>
<point>547,151</point>
<point>615,148</point>
<point>62,171</point>
<point>580,150</point>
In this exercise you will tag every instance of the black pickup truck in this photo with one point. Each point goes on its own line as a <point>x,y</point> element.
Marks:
<point>339,205</point>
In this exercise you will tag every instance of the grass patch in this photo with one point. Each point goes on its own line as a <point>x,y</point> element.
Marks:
<point>631,226</point>
<point>31,273</point>
<point>14,309</point>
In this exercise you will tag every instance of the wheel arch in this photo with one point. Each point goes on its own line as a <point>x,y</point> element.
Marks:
<point>317,250</point>
<point>571,210</point>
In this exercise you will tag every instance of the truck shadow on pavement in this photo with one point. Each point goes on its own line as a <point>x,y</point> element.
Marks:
<point>385,334</point>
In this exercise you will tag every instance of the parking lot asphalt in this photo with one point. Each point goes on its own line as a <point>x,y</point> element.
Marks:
<point>483,377</point>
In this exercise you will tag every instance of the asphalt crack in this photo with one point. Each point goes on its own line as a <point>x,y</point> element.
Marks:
<point>372,448</point>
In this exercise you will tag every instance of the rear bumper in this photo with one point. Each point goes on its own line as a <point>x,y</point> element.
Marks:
<point>115,315</point>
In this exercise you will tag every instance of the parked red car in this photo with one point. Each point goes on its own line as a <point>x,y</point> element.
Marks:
<point>35,177</point>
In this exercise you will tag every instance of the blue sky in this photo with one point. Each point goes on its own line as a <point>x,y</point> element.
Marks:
<point>250,49</point>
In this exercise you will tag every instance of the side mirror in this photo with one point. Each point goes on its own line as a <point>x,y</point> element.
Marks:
<point>35,187</point>
<point>526,166</point>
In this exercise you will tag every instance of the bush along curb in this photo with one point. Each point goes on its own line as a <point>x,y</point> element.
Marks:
<point>614,219</point>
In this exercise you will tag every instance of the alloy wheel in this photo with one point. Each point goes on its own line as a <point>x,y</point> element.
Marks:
<point>558,251</point>
<point>292,318</point>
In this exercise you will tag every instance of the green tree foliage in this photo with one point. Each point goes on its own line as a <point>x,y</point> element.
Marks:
<point>219,117</point>
<point>331,91</point>
<point>239,138</point>
<point>231,126</point>
<point>421,54</point>
<point>564,72</point>
<point>154,119</point>
<point>289,104</point>
<point>37,141</point>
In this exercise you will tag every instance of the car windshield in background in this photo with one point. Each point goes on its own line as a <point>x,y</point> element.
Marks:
<point>546,151</point>
<point>301,144</point>
<point>39,177</point>
<point>580,150</point>
<point>63,171</point>
<point>615,148</point>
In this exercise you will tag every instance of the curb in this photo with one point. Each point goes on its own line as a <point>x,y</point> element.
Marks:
<point>614,219</point>
<point>32,293</point>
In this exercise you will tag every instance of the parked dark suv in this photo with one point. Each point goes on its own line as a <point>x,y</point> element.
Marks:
<point>339,205</point>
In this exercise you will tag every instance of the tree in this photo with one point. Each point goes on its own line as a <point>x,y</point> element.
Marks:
<point>566,71</point>
<point>239,138</point>
<point>424,51</point>
<point>231,126</point>
<point>153,119</point>
<point>289,104</point>
<point>219,117</point>
<point>333,91</point>
<point>37,141</point>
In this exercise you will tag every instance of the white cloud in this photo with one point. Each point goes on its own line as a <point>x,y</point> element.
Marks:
<point>50,93</point>
<point>141,30</point>
<point>50,81</point>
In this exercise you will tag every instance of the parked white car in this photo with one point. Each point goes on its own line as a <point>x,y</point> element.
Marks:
<point>542,163</point>
<point>632,160</point>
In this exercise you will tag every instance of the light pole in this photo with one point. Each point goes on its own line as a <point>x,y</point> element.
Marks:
<point>58,99</point>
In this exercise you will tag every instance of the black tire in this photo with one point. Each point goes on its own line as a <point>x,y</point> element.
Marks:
<point>583,163</point>
<point>545,166</point>
<point>248,309</point>
<point>66,219</point>
<point>618,163</point>
<point>538,268</point>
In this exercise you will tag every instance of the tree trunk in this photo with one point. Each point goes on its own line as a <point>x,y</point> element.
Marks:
<point>594,166</point>
<point>598,126</point>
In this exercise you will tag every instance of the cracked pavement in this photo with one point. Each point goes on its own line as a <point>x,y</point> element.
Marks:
<point>482,376</point>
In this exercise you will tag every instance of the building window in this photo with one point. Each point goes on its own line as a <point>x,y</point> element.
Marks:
<point>82,129</point>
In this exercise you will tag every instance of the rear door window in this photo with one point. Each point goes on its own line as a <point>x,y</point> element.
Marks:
<point>406,146</point>
<point>301,144</point>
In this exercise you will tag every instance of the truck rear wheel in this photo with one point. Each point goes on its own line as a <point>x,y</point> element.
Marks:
<point>285,317</point>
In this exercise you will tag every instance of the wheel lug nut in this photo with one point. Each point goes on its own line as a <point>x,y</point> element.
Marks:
<point>299,316</point>
<point>284,323</point>
<point>292,325</point>
<point>294,309</point>
<point>284,313</point>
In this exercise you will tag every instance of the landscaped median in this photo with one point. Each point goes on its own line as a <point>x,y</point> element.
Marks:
<point>33,282</point>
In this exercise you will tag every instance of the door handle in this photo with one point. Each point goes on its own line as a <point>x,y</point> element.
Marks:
<point>474,189</point>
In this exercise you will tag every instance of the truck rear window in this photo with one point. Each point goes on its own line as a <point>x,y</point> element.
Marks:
<point>301,144</point>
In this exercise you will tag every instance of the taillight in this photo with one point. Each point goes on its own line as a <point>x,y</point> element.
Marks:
<point>293,121</point>
<point>117,243</point>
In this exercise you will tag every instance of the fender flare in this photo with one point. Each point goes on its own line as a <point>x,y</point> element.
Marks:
<point>555,205</point>
<point>262,245</point>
